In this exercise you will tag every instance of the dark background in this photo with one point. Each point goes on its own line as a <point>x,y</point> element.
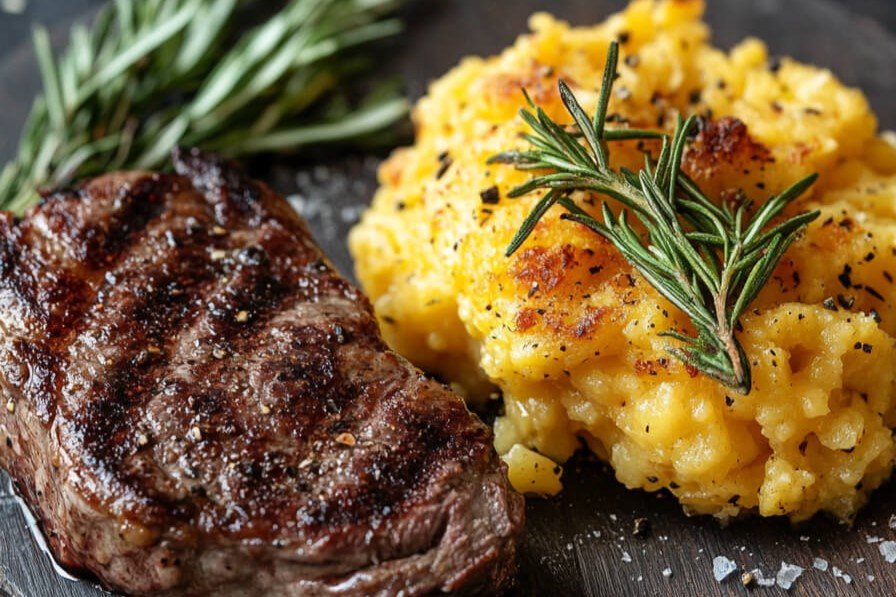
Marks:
<point>580,543</point>
<point>805,29</point>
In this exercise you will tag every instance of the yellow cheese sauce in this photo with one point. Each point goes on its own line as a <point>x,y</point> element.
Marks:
<point>570,333</point>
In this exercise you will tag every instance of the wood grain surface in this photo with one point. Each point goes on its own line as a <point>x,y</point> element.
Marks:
<point>582,542</point>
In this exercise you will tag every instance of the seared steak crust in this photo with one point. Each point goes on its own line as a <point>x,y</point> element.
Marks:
<point>196,402</point>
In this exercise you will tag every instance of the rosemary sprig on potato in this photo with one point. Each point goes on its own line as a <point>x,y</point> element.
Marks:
<point>709,259</point>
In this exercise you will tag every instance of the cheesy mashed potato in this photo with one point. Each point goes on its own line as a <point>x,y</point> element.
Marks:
<point>569,332</point>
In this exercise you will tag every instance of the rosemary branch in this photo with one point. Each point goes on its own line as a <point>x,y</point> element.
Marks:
<point>709,259</point>
<point>153,74</point>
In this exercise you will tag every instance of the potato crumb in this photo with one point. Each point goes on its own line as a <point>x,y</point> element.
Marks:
<point>531,473</point>
<point>346,439</point>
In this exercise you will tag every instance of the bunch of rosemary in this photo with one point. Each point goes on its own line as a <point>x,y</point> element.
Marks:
<point>708,258</point>
<point>152,74</point>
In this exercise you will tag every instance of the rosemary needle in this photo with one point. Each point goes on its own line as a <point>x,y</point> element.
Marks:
<point>149,75</point>
<point>710,260</point>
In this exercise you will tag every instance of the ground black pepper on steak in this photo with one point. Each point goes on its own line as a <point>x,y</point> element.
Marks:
<point>195,402</point>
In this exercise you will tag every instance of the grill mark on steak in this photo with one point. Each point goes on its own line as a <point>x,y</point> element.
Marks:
<point>203,404</point>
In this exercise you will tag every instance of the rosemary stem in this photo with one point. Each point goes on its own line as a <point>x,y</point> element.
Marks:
<point>709,262</point>
<point>150,75</point>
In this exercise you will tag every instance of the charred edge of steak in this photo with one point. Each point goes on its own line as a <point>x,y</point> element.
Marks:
<point>198,403</point>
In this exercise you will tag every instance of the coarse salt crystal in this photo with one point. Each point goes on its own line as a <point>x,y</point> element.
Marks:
<point>667,572</point>
<point>820,564</point>
<point>787,575</point>
<point>892,522</point>
<point>626,557</point>
<point>888,551</point>
<point>869,539</point>
<point>722,568</point>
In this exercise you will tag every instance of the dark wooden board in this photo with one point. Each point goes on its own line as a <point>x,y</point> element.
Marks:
<point>580,543</point>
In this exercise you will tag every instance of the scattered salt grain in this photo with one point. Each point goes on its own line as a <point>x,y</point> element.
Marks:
<point>787,575</point>
<point>804,537</point>
<point>667,572</point>
<point>841,575</point>
<point>626,557</point>
<point>613,517</point>
<point>870,578</point>
<point>892,522</point>
<point>860,560</point>
<point>869,539</point>
<point>13,7</point>
<point>350,214</point>
<point>820,564</point>
<point>888,551</point>
<point>759,578</point>
<point>722,568</point>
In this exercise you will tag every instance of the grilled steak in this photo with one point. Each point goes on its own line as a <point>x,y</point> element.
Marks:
<point>196,402</point>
